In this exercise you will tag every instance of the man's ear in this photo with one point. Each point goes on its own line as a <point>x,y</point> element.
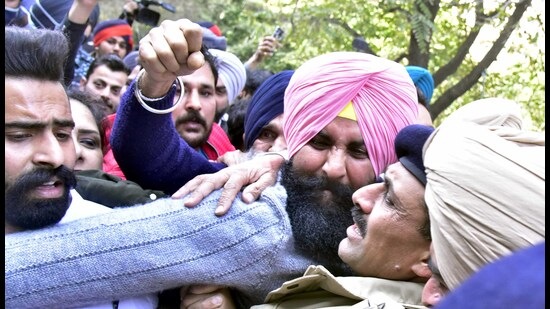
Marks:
<point>83,81</point>
<point>421,267</point>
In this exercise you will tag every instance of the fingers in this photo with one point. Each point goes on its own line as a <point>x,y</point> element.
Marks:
<point>252,192</point>
<point>206,297</point>
<point>173,48</point>
<point>200,186</point>
<point>230,191</point>
<point>195,189</point>
<point>258,175</point>
<point>214,301</point>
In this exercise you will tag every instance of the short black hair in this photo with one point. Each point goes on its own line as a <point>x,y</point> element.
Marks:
<point>254,78</point>
<point>35,53</point>
<point>235,122</point>
<point>112,61</point>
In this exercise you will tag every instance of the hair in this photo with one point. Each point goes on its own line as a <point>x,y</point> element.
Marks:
<point>235,122</point>
<point>35,53</point>
<point>254,78</point>
<point>112,61</point>
<point>424,229</point>
<point>94,104</point>
<point>211,60</point>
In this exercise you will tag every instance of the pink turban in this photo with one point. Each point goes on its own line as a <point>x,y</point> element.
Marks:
<point>382,93</point>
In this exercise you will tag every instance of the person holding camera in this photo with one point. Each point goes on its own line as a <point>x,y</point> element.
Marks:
<point>267,47</point>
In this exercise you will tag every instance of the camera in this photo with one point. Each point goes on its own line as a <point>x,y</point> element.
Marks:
<point>148,17</point>
<point>279,33</point>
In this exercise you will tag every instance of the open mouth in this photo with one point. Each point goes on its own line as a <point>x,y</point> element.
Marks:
<point>50,189</point>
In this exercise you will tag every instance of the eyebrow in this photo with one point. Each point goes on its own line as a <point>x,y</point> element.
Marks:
<point>88,131</point>
<point>270,126</point>
<point>39,125</point>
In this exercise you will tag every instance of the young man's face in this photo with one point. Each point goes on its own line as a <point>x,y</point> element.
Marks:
<point>386,239</point>
<point>113,45</point>
<point>39,153</point>
<point>106,84</point>
<point>222,101</point>
<point>194,117</point>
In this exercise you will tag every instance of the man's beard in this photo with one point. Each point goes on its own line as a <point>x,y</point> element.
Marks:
<point>193,115</point>
<point>318,223</point>
<point>25,212</point>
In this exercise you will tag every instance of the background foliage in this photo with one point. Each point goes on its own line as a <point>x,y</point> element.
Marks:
<point>454,39</point>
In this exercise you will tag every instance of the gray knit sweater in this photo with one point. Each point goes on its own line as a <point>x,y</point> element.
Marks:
<point>153,247</point>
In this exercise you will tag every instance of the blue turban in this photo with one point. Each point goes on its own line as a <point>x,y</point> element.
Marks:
<point>422,79</point>
<point>514,281</point>
<point>211,40</point>
<point>265,105</point>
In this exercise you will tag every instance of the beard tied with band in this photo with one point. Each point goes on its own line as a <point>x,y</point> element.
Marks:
<point>318,222</point>
<point>25,212</point>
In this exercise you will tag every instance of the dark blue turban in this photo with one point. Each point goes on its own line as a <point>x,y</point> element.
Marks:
<point>408,147</point>
<point>265,105</point>
<point>514,281</point>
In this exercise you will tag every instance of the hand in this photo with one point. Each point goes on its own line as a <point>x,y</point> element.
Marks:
<point>130,7</point>
<point>266,48</point>
<point>168,51</point>
<point>233,157</point>
<point>80,11</point>
<point>206,297</point>
<point>258,173</point>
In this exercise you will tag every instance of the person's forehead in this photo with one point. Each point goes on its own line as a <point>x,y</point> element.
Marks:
<point>117,38</point>
<point>342,128</point>
<point>46,100</point>
<point>81,113</point>
<point>202,76</point>
<point>104,73</point>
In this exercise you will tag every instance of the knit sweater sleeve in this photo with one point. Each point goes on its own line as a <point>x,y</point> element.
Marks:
<point>149,248</point>
<point>150,151</point>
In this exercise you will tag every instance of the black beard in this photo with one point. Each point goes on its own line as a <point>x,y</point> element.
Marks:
<point>28,213</point>
<point>318,223</point>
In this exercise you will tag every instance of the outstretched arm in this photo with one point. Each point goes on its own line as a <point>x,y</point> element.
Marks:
<point>254,175</point>
<point>146,145</point>
<point>149,248</point>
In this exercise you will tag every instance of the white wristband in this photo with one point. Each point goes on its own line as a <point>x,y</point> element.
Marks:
<point>141,98</point>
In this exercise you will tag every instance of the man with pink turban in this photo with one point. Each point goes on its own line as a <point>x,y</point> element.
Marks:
<point>342,113</point>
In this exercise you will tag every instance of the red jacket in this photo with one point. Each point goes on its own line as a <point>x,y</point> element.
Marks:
<point>217,144</point>
<point>109,163</point>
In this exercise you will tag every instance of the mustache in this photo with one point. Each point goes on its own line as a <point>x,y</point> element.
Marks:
<point>40,175</point>
<point>192,115</point>
<point>359,219</point>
